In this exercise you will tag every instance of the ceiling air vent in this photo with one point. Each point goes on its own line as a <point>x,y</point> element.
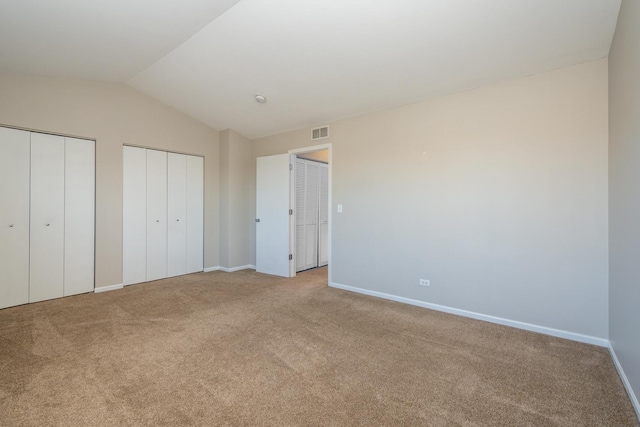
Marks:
<point>320,133</point>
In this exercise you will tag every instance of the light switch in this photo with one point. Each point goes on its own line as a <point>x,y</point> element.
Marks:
<point>339,208</point>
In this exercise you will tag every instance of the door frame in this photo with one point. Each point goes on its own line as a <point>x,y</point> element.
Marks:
<point>293,153</point>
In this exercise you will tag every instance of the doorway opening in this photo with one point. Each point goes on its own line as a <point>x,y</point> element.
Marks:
<point>310,226</point>
<point>275,210</point>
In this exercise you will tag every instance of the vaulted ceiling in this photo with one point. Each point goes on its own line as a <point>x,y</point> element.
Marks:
<point>314,60</point>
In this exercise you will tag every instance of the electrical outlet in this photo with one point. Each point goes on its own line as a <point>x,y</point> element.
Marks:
<point>425,282</point>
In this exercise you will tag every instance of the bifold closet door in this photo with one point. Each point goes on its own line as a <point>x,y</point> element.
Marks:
<point>195,214</point>
<point>177,214</point>
<point>134,216</point>
<point>323,216</point>
<point>14,217</point>
<point>79,214</point>
<point>46,271</point>
<point>307,183</point>
<point>156,215</point>
<point>185,214</point>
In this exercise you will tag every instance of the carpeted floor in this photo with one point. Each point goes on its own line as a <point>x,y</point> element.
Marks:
<point>245,349</point>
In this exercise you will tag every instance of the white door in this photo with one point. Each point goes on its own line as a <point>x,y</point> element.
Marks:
<point>156,215</point>
<point>134,215</point>
<point>195,214</point>
<point>306,214</point>
<point>176,214</point>
<point>79,214</point>
<point>273,180</point>
<point>14,217</point>
<point>323,217</point>
<point>47,218</point>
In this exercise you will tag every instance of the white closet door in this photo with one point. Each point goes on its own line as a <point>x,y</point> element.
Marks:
<point>14,217</point>
<point>177,214</point>
<point>300,185</point>
<point>47,217</point>
<point>79,214</point>
<point>134,215</point>
<point>323,217</point>
<point>307,186</point>
<point>195,214</point>
<point>311,216</point>
<point>156,214</point>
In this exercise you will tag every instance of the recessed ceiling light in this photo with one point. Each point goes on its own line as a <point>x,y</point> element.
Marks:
<point>261,99</point>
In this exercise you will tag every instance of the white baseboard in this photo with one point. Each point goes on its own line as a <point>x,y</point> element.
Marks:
<point>108,288</point>
<point>230,270</point>
<point>602,342</point>
<point>625,381</point>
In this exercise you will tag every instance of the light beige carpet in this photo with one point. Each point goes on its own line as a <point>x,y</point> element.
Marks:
<point>245,349</point>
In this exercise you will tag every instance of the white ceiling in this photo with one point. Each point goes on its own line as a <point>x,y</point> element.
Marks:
<point>109,40</point>
<point>315,60</point>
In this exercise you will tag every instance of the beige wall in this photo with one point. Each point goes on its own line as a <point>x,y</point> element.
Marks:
<point>237,178</point>
<point>497,195</point>
<point>320,156</point>
<point>624,191</point>
<point>113,115</point>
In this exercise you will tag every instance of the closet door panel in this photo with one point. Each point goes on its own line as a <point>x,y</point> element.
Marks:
<point>177,214</point>
<point>134,215</point>
<point>195,214</point>
<point>323,217</point>
<point>300,185</point>
<point>79,214</point>
<point>14,217</point>
<point>156,214</point>
<point>311,215</point>
<point>47,217</point>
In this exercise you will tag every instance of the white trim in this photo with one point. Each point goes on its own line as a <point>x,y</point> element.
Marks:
<point>241,267</point>
<point>108,288</point>
<point>625,381</point>
<point>230,270</point>
<point>602,342</point>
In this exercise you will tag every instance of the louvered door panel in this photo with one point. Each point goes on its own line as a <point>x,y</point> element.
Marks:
<point>300,181</point>
<point>323,217</point>
<point>311,216</point>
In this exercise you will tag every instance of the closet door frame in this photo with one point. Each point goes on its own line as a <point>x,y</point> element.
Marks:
<point>295,235</point>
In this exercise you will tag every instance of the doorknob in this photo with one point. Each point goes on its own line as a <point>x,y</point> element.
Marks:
<point>257,219</point>
<point>11,225</point>
<point>47,225</point>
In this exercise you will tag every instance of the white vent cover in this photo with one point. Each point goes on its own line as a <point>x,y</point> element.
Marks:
<point>320,133</point>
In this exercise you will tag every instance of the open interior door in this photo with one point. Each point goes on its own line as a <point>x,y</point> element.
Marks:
<point>273,181</point>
